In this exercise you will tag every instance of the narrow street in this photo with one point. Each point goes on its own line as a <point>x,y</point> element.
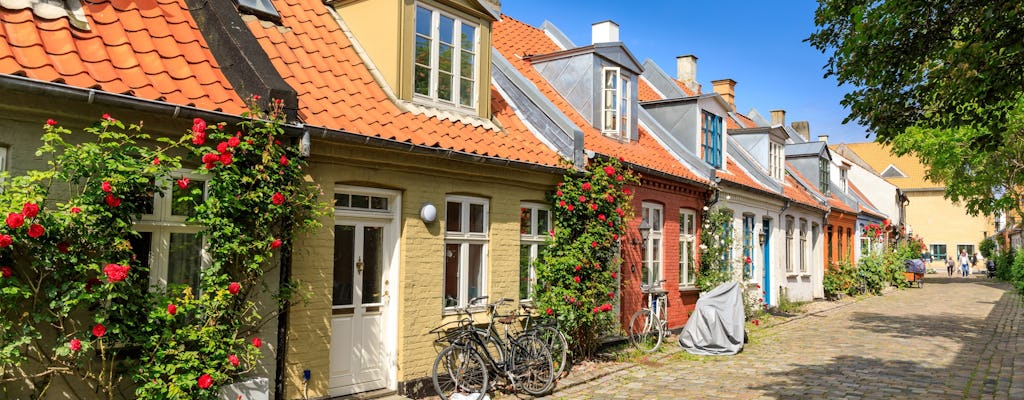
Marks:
<point>954,338</point>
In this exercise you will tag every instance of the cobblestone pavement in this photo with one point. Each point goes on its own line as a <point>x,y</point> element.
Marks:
<point>955,338</point>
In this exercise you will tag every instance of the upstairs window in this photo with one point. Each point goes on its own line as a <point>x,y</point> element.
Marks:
<point>615,99</point>
<point>842,178</point>
<point>776,161</point>
<point>823,176</point>
<point>445,65</point>
<point>711,139</point>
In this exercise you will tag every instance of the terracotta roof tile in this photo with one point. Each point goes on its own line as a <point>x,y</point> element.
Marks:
<point>514,39</point>
<point>733,173</point>
<point>151,49</point>
<point>646,92</point>
<point>336,90</point>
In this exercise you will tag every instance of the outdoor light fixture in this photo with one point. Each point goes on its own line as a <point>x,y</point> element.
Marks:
<point>762,235</point>
<point>428,212</point>
<point>645,232</point>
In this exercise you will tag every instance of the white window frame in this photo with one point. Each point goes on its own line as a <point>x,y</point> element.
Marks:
<point>435,42</point>
<point>535,238</point>
<point>687,247</point>
<point>790,268</point>
<point>804,251</point>
<point>464,238</point>
<point>619,111</point>
<point>776,164</point>
<point>162,223</point>
<point>656,234</point>
<point>843,176</point>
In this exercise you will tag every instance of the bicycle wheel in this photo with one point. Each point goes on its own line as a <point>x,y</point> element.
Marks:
<point>493,344</point>
<point>557,345</point>
<point>459,369</point>
<point>645,331</point>
<point>531,365</point>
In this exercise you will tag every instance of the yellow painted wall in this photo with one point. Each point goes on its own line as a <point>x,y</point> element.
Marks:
<point>420,179</point>
<point>940,221</point>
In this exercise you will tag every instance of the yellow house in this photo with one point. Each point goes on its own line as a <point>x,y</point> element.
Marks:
<point>944,225</point>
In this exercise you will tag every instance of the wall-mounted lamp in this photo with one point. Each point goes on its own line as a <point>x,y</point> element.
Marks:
<point>645,232</point>
<point>428,212</point>
<point>762,235</point>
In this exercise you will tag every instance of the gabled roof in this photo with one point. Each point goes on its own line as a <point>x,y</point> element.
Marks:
<point>336,90</point>
<point>879,158</point>
<point>615,51</point>
<point>150,50</point>
<point>513,38</point>
<point>808,149</point>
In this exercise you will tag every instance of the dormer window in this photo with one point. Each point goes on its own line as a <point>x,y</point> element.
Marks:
<point>615,98</point>
<point>842,178</point>
<point>445,62</point>
<point>711,139</point>
<point>776,160</point>
<point>823,171</point>
<point>260,8</point>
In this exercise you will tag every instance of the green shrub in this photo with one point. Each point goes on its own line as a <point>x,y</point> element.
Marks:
<point>715,241</point>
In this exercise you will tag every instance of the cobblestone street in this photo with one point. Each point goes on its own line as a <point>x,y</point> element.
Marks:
<point>954,338</point>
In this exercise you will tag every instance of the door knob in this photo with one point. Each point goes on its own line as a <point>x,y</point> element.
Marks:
<point>359,265</point>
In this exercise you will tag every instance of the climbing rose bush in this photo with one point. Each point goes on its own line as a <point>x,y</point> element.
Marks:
<point>576,272</point>
<point>75,298</point>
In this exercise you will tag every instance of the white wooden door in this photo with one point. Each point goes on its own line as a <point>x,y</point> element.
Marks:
<point>358,358</point>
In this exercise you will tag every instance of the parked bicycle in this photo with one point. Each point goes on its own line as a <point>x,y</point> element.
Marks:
<point>472,355</point>
<point>546,329</point>
<point>648,325</point>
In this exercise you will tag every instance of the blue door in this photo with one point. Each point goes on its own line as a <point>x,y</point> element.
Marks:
<point>766,247</point>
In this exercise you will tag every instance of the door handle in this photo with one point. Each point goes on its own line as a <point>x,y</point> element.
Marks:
<point>359,265</point>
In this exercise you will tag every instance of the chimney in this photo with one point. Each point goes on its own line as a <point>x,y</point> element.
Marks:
<point>604,32</point>
<point>803,128</point>
<point>778,117</point>
<point>686,70</point>
<point>823,138</point>
<point>726,88</point>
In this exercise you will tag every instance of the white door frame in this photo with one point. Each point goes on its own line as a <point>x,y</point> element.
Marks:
<point>391,220</point>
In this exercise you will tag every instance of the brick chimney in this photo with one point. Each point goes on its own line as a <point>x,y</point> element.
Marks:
<point>726,88</point>
<point>803,128</point>
<point>686,71</point>
<point>778,117</point>
<point>604,32</point>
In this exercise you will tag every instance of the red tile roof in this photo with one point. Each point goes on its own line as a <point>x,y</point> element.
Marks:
<point>515,39</point>
<point>151,49</point>
<point>336,91</point>
<point>745,121</point>
<point>733,173</point>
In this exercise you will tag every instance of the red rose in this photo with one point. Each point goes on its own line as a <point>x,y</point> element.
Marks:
<point>256,342</point>
<point>209,165</point>
<point>561,203</point>
<point>611,295</point>
<point>614,275</point>
<point>205,381</point>
<point>552,233</point>
<point>619,178</point>
<point>183,183</point>
<point>275,244</point>
<point>579,267</point>
<point>601,217</point>
<point>606,307</point>
<point>620,212</point>
<point>6,272</point>
<point>586,186</point>
<point>615,236</point>
<point>597,310</point>
<point>75,210</point>
<point>558,193</point>
<point>99,330</point>
<point>756,322</point>
<point>36,230</point>
<point>569,207</point>
<point>234,141</point>
<point>609,170</point>
<point>156,160</point>
<point>63,247</point>
<point>6,240</point>
<point>106,186</point>
<point>107,117</point>
<point>277,199</point>
<point>222,147</point>
<point>112,201</point>
<point>172,309</point>
<point>593,206</point>
<point>576,279</point>
<point>51,122</point>
<point>15,220</point>
<point>198,138</point>
<point>609,198</point>
<point>626,191</point>
<point>226,159</point>
<point>30,210</point>
<point>284,160</point>
<point>198,125</point>
<point>75,344</point>
<point>593,244</point>
<point>549,311</point>
<point>211,158</point>
<point>233,359</point>
<point>234,287</point>
<point>583,199</point>
<point>116,273</point>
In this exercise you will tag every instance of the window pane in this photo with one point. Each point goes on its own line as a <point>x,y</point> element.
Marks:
<point>453,217</point>
<point>423,21</point>
<point>524,271</point>
<point>444,86</point>
<point>344,261</point>
<point>451,275</point>
<point>656,219</point>
<point>379,203</point>
<point>341,200</point>
<point>525,221</point>
<point>467,61</point>
<point>422,80</point>
<point>476,218</point>
<point>422,50</point>
<point>445,58</point>
<point>186,207</point>
<point>543,222</point>
<point>466,92</point>
<point>360,201</point>
<point>468,37</point>
<point>142,246</point>
<point>446,29</point>
<point>184,259</point>
<point>476,270</point>
<point>373,260</point>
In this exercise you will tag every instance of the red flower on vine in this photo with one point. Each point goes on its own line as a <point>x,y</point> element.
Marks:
<point>619,178</point>
<point>586,186</point>
<point>756,322</point>
<point>611,295</point>
<point>620,212</point>
<point>569,207</point>
<point>106,187</point>
<point>609,198</point>
<point>36,230</point>
<point>15,220</point>
<point>601,217</point>
<point>107,117</point>
<point>593,244</point>
<point>748,261</point>
<point>234,141</point>
<point>172,309</point>
<point>558,193</point>
<point>116,273</point>
<point>75,344</point>
<point>608,169</point>
<point>205,381</point>
<point>578,267</point>
<point>234,287</point>
<point>75,210</point>
<point>583,199</point>
<point>277,198</point>
<point>30,210</point>
<point>183,183</point>
<point>222,147</point>
<point>233,359</point>
<point>284,161</point>
<point>550,311</point>
<point>51,122</point>
<point>561,203</point>
<point>226,159</point>
<point>275,244</point>
<point>112,201</point>
<point>99,330</point>
<point>6,240</point>
<point>576,279</point>
<point>6,272</point>
<point>606,307</point>
<point>256,342</point>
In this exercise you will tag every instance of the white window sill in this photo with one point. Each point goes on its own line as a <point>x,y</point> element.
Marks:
<point>688,288</point>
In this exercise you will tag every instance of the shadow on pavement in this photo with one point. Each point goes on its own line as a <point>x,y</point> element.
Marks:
<point>857,377</point>
<point>917,326</point>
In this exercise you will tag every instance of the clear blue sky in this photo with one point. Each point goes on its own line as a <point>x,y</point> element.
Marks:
<point>759,44</point>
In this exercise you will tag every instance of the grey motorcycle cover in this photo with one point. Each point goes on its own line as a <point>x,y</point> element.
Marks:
<point>716,325</point>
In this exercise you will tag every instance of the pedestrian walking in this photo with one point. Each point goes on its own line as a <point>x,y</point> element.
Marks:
<point>949,266</point>
<point>965,261</point>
